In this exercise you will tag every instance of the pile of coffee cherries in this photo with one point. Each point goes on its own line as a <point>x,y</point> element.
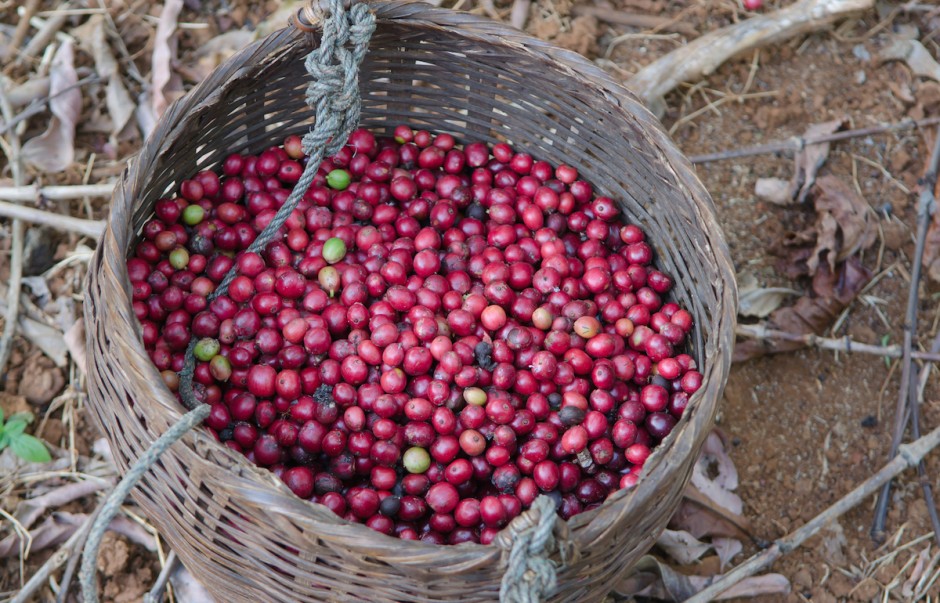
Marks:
<point>437,335</point>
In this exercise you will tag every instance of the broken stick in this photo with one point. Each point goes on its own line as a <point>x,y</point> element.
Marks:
<point>909,455</point>
<point>704,55</point>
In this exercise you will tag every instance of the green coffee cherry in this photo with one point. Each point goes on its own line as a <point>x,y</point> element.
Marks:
<point>338,179</point>
<point>334,250</point>
<point>206,349</point>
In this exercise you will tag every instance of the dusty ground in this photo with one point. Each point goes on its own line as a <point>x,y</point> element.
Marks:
<point>806,426</point>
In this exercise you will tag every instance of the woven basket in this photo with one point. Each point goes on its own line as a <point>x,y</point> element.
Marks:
<point>240,531</point>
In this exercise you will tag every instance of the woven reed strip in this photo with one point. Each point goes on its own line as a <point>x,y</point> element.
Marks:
<point>240,531</point>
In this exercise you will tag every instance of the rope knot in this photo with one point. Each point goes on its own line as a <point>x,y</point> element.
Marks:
<point>530,539</point>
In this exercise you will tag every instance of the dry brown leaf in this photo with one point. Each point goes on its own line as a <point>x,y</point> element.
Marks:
<point>53,150</point>
<point>806,164</point>
<point>74,339</point>
<point>683,547</point>
<point>652,578</point>
<point>813,313</point>
<point>844,223</point>
<point>915,55</point>
<point>165,83</point>
<point>757,301</point>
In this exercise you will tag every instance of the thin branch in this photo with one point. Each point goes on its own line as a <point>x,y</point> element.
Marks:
<point>909,455</point>
<point>72,546</point>
<point>16,243</point>
<point>88,228</point>
<point>925,207</point>
<point>22,27</point>
<point>840,345</point>
<point>797,143</point>
<point>55,193</point>
<point>156,592</point>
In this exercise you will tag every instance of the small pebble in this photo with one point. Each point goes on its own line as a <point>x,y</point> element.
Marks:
<point>861,53</point>
<point>860,77</point>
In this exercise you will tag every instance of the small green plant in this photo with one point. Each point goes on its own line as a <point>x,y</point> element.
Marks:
<point>25,446</point>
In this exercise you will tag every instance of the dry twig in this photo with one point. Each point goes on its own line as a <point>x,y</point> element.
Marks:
<point>16,244</point>
<point>907,405</point>
<point>705,54</point>
<point>87,228</point>
<point>843,344</point>
<point>798,143</point>
<point>909,455</point>
<point>55,193</point>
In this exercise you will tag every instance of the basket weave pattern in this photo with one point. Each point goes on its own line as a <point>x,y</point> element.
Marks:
<point>238,528</point>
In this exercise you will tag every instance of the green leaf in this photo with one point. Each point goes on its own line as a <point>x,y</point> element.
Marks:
<point>25,416</point>
<point>14,427</point>
<point>30,449</point>
<point>4,439</point>
<point>1,416</point>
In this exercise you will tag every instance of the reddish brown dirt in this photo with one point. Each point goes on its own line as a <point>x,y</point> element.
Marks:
<point>801,423</point>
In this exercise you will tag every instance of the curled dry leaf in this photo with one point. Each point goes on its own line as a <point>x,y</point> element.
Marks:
<point>806,164</point>
<point>831,292</point>
<point>714,460</point>
<point>56,529</point>
<point>652,578</point>
<point>53,150</point>
<point>75,343</point>
<point>726,548</point>
<point>683,547</point>
<point>915,55</point>
<point>164,82</point>
<point>843,225</point>
<point>757,301</point>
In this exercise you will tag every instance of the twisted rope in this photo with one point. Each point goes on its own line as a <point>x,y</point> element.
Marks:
<point>334,96</point>
<point>530,575</point>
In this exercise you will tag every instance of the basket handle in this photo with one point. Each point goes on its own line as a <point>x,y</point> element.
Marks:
<point>527,542</point>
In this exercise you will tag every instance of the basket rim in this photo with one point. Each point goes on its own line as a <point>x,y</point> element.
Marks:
<point>490,32</point>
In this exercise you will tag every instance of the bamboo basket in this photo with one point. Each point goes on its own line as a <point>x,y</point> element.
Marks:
<point>238,529</point>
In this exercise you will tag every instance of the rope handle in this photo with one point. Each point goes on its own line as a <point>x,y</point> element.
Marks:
<point>527,543</point>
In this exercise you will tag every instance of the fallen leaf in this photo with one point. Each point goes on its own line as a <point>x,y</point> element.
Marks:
<point>53,150</point>
<point>683,547</point>
<point>186,589</point>
<point>75,343</point>
<point>757,301</point>
<point>806,163</point>
<point>652,578</point>
<point>726,548</point>
<point>844,223</point>
<point>813,313</point>
<point>120,105</point>
<point>164,82</point>
<point>720,488</point>
<point>701,517</point>
<point>834,543</point>
<point>43,380</point>
<point>915,55</point>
